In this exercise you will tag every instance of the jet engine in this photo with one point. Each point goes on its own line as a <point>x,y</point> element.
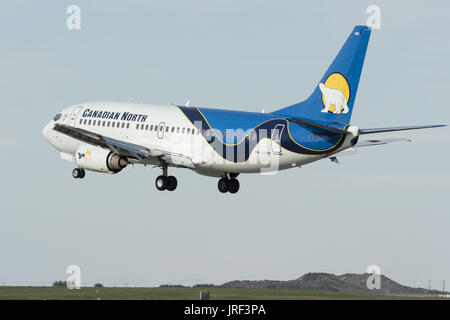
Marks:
<point>98,159</point>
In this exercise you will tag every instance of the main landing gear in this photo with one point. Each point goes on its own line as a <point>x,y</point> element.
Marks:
<point>230,185</point>
<point>165,182</point>
<point>78,173</point>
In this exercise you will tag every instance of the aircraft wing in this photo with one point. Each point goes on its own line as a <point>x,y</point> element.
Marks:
<point>125,149</point>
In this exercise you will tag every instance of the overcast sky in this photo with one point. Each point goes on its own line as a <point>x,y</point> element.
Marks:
<point>388,205</point>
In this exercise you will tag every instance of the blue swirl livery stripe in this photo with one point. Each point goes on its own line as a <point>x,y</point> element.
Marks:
<point>241,151</point>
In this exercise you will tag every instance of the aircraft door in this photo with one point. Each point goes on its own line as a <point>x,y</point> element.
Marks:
<point>276,138</point>
<point>73,116</point>
<point>161,129</point>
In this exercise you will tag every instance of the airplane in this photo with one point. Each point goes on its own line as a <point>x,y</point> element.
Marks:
<point>109,136</point>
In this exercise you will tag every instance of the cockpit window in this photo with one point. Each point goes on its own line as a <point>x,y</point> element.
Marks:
<point>57,117</point>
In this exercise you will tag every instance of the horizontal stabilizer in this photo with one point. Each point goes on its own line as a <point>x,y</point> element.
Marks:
<point>379,130</point>
<point>364,143</point>
<point>377,142</point>
<point>345,152</point>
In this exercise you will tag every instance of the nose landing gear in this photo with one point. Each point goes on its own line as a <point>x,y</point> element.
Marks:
<point>78,173</point>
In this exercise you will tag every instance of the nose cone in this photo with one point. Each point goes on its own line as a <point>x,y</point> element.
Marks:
<point>46,132</point>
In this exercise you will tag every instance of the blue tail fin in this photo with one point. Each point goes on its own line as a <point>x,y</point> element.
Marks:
<point>334,96</point>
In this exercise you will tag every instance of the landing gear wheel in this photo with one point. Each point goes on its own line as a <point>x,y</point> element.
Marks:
<point>78,173</point>
<point>223,185</point>
<point>171,183</point>
<point>161,183</point>
<point>233,185</point>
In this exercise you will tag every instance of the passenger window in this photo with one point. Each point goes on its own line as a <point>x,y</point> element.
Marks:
<point>113,124</point>
<point>123,125</point>
<point>146,127</point>
<point>182,130</point>
<point>188,130</point>
<point>173,129</point>
<point>193,131</point>
<point>81,121</point>
<point>85,121</point>
<point>161,128</point>
<point>137,126</point>
<point>167,129</point>
<point>128,125</point>
<point>89,123</point>
<point>94,122</point>
<point>142,127</point>
<point>104,123</point>
<point>109,122</point>
<point>151,127</point>
<point>178,129</point>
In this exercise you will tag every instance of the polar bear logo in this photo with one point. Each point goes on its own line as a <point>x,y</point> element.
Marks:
<point>333,97</point>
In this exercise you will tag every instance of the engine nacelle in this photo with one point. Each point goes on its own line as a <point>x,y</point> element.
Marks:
<point>351,137</point>
<point>99,159</point>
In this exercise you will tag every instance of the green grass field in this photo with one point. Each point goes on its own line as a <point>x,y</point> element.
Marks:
<point>89,293</point>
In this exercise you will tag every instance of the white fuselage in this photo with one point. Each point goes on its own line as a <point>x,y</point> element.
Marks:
<point>166,129</point>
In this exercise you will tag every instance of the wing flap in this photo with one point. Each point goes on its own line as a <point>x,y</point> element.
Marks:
<point>121,147</point>
<point>178,160</point>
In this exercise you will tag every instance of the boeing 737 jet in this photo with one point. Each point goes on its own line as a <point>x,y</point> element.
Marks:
<point>108,136</point>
